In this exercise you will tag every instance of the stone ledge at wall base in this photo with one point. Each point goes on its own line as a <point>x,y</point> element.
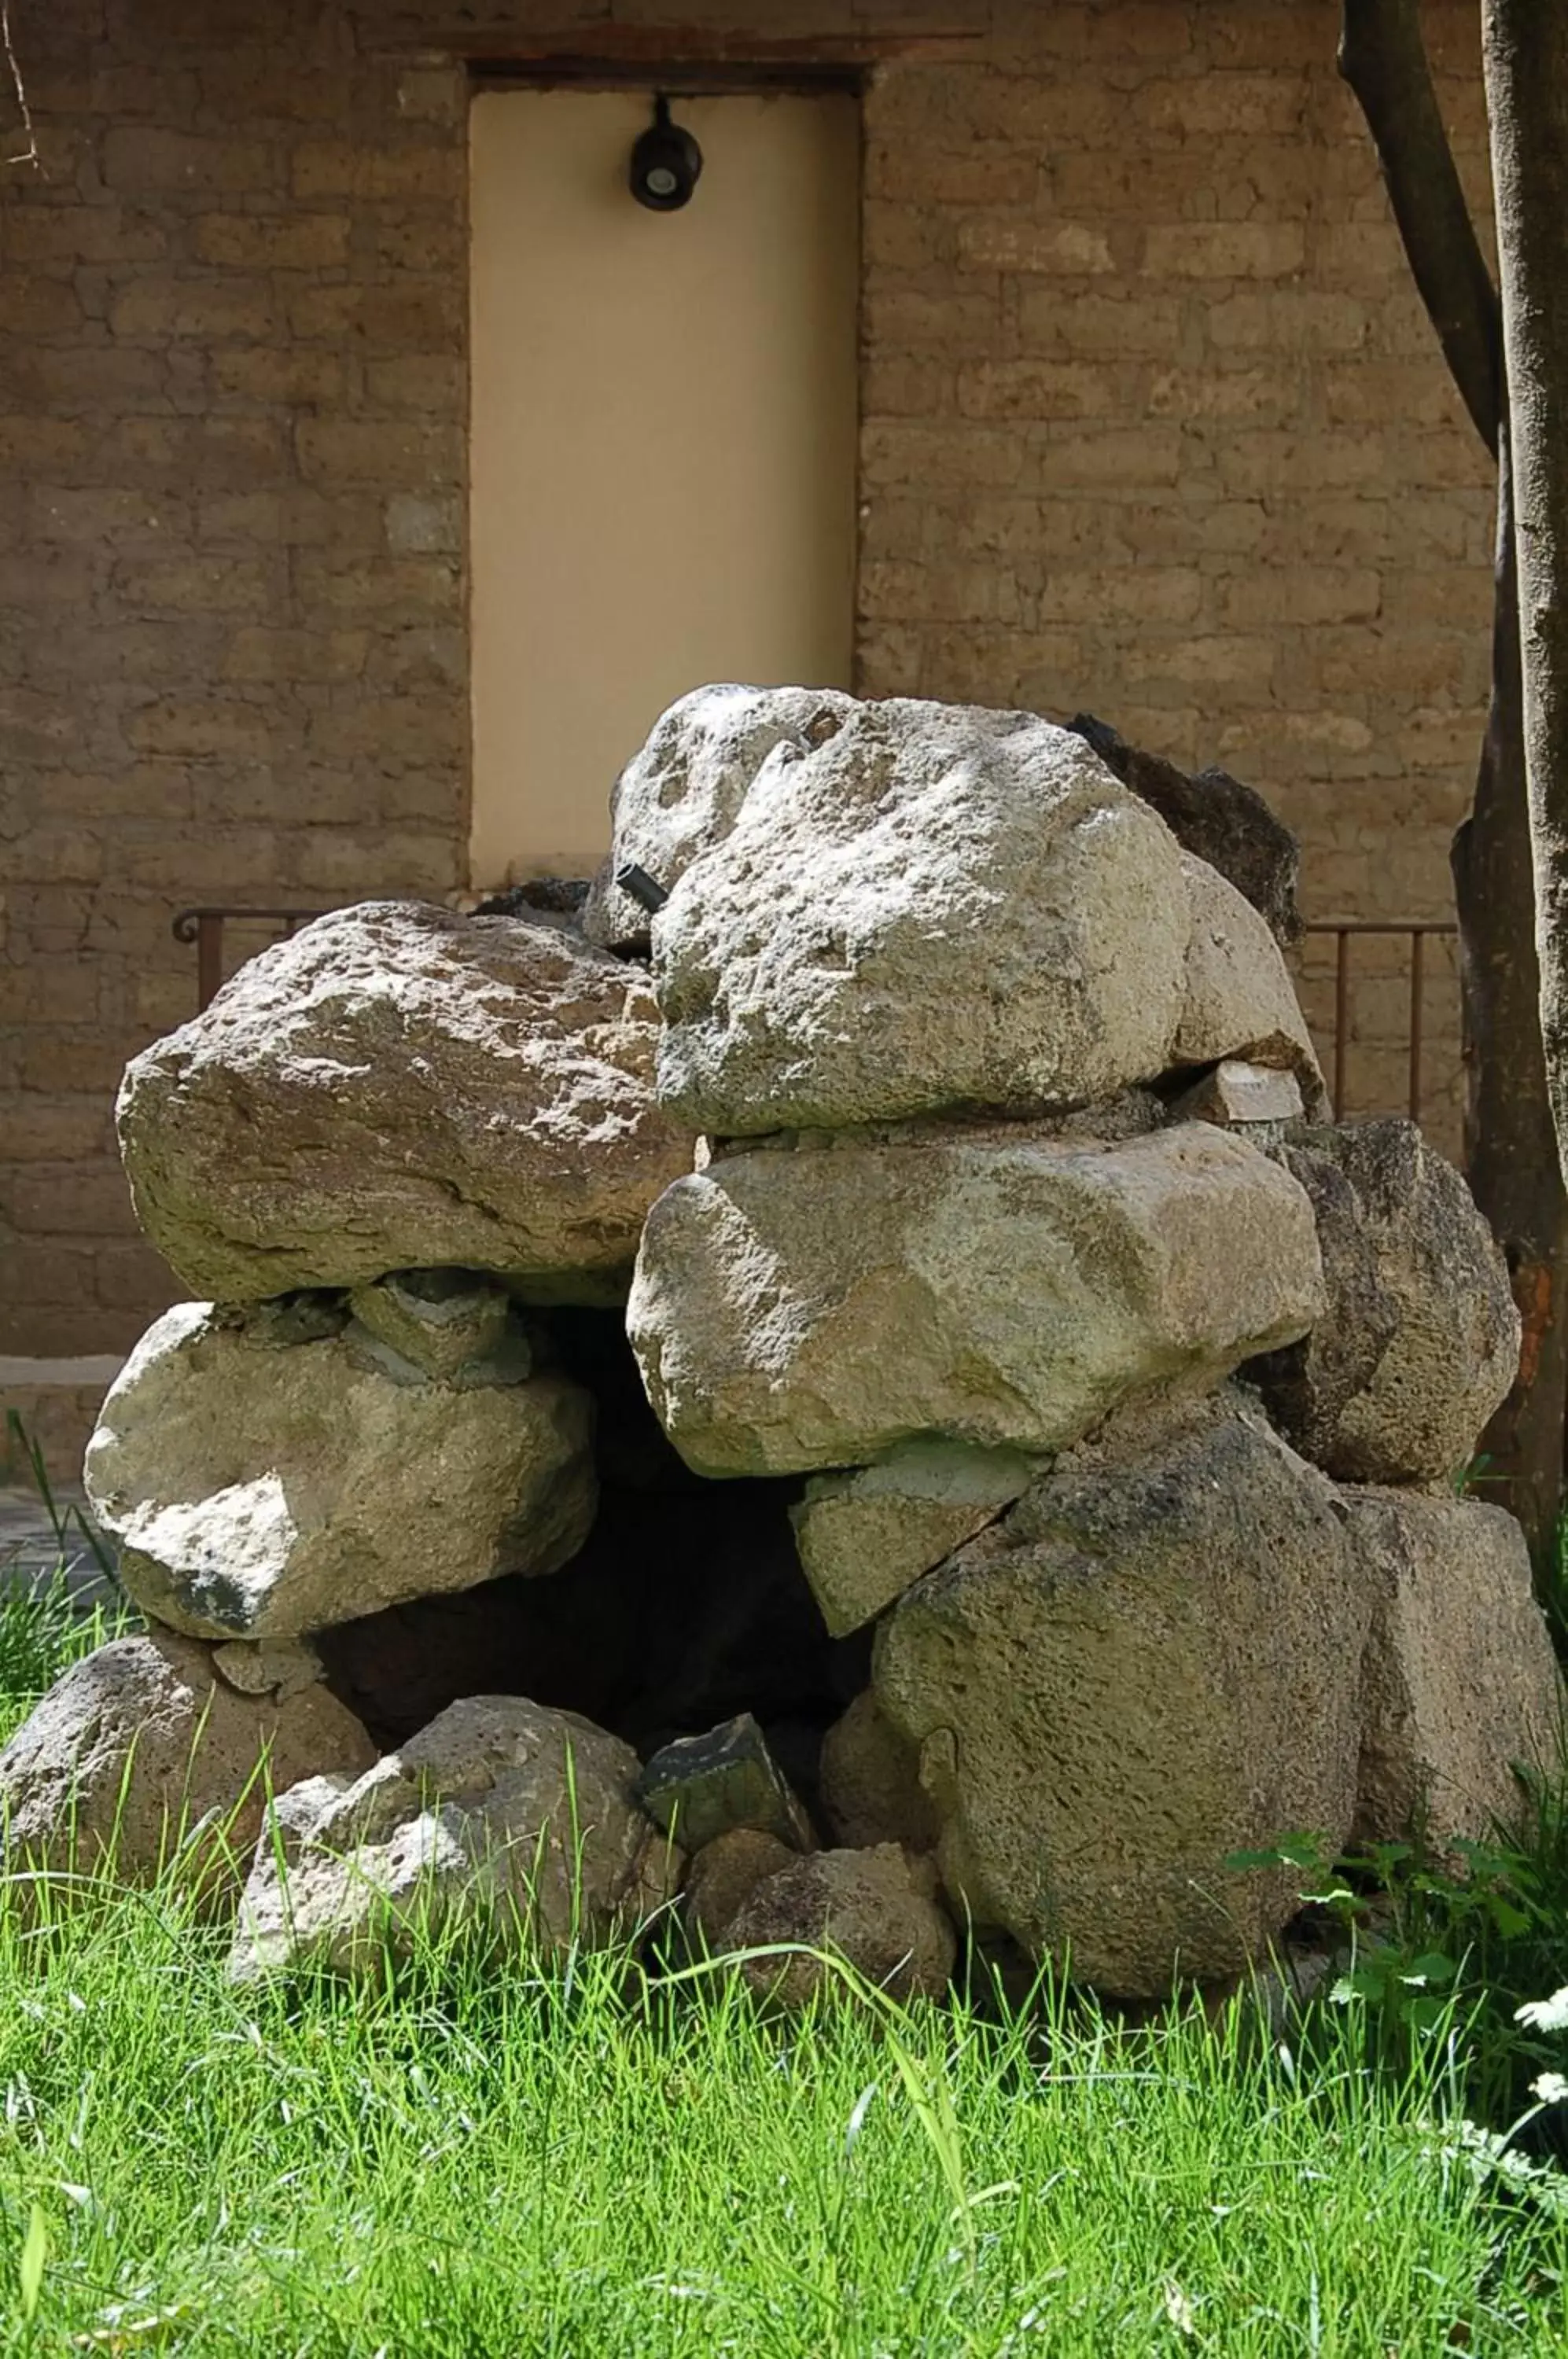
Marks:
<point>398,1088</point>
<point>797,1312</point>
<point>265,1489</point>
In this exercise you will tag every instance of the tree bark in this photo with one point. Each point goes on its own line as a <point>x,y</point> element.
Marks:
<point>1510,1151</point>
<point>1509,1148</point>
<point>1525,48</point>
<point>1383,57</point>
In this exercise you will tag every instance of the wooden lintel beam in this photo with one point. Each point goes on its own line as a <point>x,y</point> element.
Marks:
<point>600,50</point>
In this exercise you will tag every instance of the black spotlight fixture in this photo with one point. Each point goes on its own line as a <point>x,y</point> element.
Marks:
<point>665,163</point>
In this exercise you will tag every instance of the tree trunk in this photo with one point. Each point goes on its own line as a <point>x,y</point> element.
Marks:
<point>1383,57</point>
<point>1525,46</point>
<point>1509,1149</point>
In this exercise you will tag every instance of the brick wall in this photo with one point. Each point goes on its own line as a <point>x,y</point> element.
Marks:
<point>1152,423</point>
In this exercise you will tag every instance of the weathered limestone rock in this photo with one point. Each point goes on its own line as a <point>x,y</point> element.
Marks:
<point>1211,813</point>
<point>256,1493</point>
<point>1460,1681</point>
<point>138,1743</point>
<point>680,794</point>
<point>270,1667</point>
<point>927,909</point>
<point>514,1822</point>
<point>1152,1662</point>
<point>1420,1342</point>
<point>865,1534</point>
<point>402,1087</point>
<point>699,1787</point>
<point>877,1910</point>
<point>725,1875</point>
<point>1240,1001</point>
<point>452,1324</point>
<point>870,1782</point>
<point>800,1312</point>
<point>1238,1095</point>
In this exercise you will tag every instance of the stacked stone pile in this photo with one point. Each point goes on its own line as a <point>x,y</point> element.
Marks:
<point>847,1379</point>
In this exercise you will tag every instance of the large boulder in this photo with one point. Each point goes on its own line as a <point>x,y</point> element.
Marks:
<point>680,792</point>
<point>864,1535</point>
<point>402,1088</point>
<point>259,1490</point>
<point>142,1752</point>
<point>796,1310</point>
<point>505,1823</point>
<point>1240,1002</point>
<point>1153,1661</point>
<point>1420,1343</point>
<point>1460,1681</point>
<point>1209,812</point>
<point>877,1910</point>
<point>923,909</point>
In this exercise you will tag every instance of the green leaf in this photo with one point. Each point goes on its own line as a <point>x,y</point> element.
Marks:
<point>1290,1850</point>
<point>30,2267</point>
<point>1424,2013</point>
<point>1509,1920</point>
<point>1365,1982</point>
<point>1434,1967</point>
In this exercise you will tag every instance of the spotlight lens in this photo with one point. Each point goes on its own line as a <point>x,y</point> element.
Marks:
<point>661,181</point>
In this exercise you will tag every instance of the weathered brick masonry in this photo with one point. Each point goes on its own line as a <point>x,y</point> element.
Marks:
<point>1152,422</point>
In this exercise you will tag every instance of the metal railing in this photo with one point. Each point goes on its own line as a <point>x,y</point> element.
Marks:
<point>205,929</point>
<point>1343,931</point>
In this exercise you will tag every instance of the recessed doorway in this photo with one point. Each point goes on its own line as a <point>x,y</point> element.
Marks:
<point>662,486</point>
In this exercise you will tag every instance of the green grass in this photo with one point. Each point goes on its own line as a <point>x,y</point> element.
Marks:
<point>603,2161</point>
<point>39,1636</point>
<point>591,2163</point>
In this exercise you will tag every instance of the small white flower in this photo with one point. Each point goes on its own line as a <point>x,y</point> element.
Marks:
<point>1545,2014</point>
<point>1552,2088</point>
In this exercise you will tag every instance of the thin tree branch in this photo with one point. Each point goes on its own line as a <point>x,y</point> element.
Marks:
<point>1525,51</point>
<point>29,154</point>
<point>1383,57</point>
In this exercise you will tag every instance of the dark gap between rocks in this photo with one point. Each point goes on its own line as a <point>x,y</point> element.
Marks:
<point>687,1605</point>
